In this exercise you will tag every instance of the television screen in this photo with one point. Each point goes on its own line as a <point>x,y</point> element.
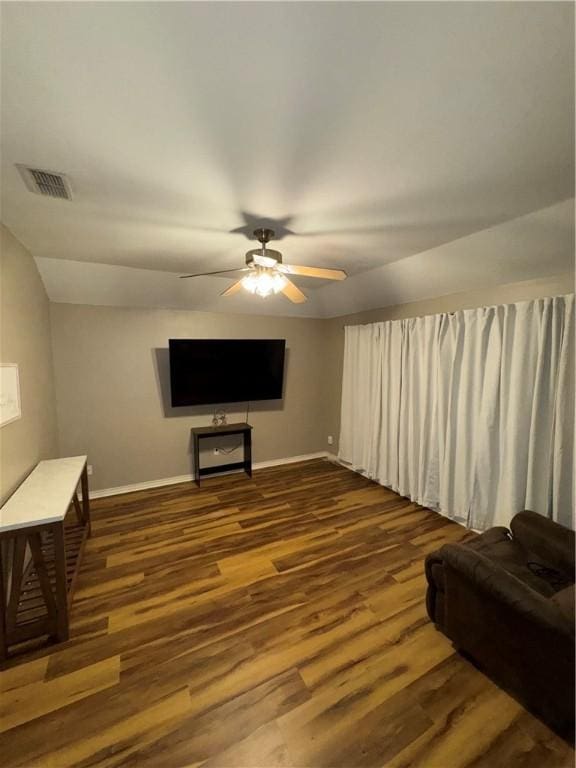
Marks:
<point>212,371</point>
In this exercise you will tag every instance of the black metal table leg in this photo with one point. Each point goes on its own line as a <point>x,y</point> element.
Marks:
<point>248,452</point>
<point>196,442</point>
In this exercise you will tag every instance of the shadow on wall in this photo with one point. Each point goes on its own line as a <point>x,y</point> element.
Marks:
<point>161,361</point>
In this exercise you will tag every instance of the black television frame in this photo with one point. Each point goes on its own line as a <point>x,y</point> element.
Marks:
<point>180,401</point>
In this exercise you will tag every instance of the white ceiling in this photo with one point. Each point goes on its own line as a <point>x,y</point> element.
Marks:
<point>373,132</point>
<point>540,244</point>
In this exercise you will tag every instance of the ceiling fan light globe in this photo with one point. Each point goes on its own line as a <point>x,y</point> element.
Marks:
<point>264,282</point>
<point>250,283</point>
<point>279,282</point>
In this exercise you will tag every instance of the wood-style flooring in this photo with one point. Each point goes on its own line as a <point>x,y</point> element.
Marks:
<point>270,622</point>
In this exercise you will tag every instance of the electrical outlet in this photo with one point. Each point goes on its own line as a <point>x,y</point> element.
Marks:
<point>89,468</point>
<point>330,440</point>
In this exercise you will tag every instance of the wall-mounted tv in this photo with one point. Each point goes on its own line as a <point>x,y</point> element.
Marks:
<point>213,371</point>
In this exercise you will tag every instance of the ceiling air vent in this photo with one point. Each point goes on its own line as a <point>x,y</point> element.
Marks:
<point>47,183</point>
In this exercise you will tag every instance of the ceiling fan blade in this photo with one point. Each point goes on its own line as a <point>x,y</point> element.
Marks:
<point>293,293</point>
<point>325,274</point>
<point>220,272</point>
<point>234,288</point>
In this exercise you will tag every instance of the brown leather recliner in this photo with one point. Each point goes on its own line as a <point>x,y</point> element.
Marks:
<point>506,600</point>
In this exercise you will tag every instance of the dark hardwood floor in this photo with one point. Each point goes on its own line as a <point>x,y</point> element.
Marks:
<point>270,622</point>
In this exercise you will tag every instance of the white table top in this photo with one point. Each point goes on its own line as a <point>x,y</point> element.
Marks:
<point>45,495</point>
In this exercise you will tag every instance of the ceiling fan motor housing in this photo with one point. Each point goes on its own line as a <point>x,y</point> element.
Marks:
<point>263,257</point>
<point>262,253</point>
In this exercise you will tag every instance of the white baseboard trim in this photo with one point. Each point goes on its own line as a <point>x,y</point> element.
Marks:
<point>133,487</point>
<point>188,478</point>
<point>289,460</point>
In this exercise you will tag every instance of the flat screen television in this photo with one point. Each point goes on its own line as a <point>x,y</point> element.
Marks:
<point>213,371</point>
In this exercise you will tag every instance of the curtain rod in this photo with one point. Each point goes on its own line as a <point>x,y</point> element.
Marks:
<point>467,309</point>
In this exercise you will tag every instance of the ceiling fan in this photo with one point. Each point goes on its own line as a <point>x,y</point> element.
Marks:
<point>267,274</point>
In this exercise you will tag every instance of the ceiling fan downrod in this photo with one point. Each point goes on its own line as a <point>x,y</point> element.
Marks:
<point>264,236</point>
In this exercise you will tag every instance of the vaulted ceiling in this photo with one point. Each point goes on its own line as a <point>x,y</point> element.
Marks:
<point>366,133</point>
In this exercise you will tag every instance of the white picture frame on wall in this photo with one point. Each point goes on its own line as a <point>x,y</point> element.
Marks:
<point>10,406</point>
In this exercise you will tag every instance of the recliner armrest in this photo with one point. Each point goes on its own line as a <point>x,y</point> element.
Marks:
<point>547,540</point>
<point>488,577</point>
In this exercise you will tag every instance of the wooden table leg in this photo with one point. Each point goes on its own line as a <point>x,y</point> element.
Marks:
<point>35,543</point>
<point>86,499</point>
<point>16,576</point>
<point>62,628</point>
<point>78,509</point>
<point>3,629</point>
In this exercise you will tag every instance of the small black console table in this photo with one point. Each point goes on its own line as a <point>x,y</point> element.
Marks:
<point>224,429</point>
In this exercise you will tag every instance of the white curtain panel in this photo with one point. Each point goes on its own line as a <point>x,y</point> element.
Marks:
<point>387,457</point>
<point>471,414</point>
<point>371,387</point>
<point>525,450</point>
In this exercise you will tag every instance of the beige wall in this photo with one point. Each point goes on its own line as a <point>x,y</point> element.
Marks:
<point>112,380</point>
<point>501,294</point>
<point>25,339</point>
